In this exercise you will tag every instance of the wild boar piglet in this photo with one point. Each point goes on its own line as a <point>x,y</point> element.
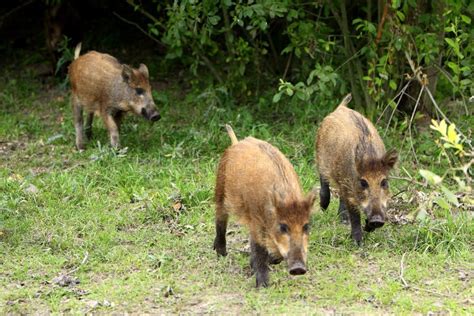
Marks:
<point>256,183</point>
<point>102,85</point>
<point>351,156</point>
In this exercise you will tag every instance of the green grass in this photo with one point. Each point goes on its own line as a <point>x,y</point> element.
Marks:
<point>115,209</point>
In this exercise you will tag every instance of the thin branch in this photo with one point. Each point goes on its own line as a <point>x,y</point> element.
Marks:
<point>418,75</point>
<point>382,22</point>
<point>140,28</point>
<point>411,180</point>
<point>349,60</point>
<point>147,14</point>
<point>212,68</point>
<point>399,96</point>
<point>444,116</point>
<point>400,192</point>
<point>411,122</point>
<point>448,76</point>
<point>21,6</point>
<point>288,63</point>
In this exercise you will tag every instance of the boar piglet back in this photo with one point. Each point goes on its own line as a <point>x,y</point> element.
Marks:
<point>103,86</point>
<point>351,156</point>
<point>257,184</point>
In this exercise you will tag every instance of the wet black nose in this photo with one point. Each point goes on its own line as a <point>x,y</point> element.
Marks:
<point>297,268</point>
<point>375,221</point>
<point>155,117</point>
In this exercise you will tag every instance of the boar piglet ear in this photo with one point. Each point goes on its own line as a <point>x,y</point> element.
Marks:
<point>277,197</point>
<point>390,158</point>
<point>143,69</point>
<point>127,72</point>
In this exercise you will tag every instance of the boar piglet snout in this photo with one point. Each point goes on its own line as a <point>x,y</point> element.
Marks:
<point>298,268</point>
<point>296,262</point>
<point>291,236</point>
<point>150,113</point>
<point>373,222</point>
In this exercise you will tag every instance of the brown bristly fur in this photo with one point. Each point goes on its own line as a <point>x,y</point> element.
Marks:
<point>350,151</point>
<point>102,85</point>
<point>258,185</point>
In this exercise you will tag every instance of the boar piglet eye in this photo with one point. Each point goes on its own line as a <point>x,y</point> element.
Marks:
<point>364,184</point>
<point>139,91</point>
<point>284,228</point>
<point>306,228</point>
<point>384,183</point>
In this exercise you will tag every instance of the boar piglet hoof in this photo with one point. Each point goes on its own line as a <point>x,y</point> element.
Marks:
<point>259,263</point>
<point>219,248</point>
<point>275,260</point>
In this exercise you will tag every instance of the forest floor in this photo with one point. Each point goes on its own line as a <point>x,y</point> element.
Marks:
<point>132,230</point>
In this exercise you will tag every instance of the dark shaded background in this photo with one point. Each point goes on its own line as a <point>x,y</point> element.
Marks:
<point>23,31</point>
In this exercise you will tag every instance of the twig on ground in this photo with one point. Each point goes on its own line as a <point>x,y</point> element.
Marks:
<point>402,270</point>
<point>432,292</point>
<point>332,247</point>
<point>407,286</point>
<point>84,260</point>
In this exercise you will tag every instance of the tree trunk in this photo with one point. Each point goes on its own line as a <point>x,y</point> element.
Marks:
<point>359,91</point>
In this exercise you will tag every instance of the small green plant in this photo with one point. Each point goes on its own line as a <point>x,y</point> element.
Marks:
<point>67,54</point>
<point>452,148</point>
<point>459,51</point>
<point>321,81</point>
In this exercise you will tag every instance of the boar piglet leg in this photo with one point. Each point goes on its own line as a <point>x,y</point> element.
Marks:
<point>259,262</point>
<point>324,193</point>
<point>112,128</point>
<point>221,228</point>
<point>78,123</point>
<point>89,120</point>
<point>343,212</point>
<point>118,118</point>
<point>354,217</point>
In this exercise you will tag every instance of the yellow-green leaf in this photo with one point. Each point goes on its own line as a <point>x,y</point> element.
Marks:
<point>443,127</point>
<point>452,135</point>
<point>450,196</point>
<point>431,177</point>
<point>442,202</point>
